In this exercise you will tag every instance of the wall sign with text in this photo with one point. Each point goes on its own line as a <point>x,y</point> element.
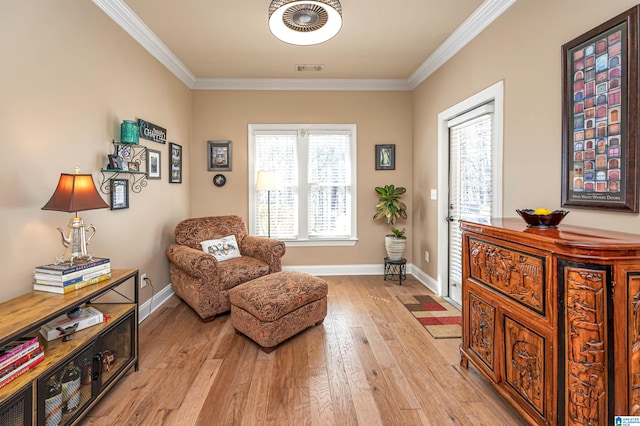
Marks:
<point>151,132</point>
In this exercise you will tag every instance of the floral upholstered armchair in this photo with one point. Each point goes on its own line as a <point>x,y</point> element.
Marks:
<point>203,281</point>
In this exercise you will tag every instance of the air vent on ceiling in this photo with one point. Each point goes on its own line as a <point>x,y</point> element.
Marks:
<point>309,67</point>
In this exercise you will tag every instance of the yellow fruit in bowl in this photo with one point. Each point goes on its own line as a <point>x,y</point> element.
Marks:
<point>542,211</point>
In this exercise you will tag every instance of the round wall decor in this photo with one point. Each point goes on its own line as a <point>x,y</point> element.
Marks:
<point>219,180</point>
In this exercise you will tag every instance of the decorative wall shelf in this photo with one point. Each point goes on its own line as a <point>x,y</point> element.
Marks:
<point>131,153</point>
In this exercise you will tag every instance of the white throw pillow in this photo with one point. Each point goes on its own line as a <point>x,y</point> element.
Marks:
<point>222,249</point>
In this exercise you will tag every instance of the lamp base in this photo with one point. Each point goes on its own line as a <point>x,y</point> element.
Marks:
<point>76,241</point>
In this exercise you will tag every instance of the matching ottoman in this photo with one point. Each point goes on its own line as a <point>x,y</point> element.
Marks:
<point>272,308</point>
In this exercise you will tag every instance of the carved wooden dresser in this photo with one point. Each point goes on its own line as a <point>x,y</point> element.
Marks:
<point>552,318</point>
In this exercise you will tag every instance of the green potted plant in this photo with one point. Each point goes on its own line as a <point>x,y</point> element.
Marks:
<point>390,208</point>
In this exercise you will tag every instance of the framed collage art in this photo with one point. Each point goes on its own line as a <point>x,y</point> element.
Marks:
<point>175,163</point>
<point>600,98</point>
<point>219,155</point>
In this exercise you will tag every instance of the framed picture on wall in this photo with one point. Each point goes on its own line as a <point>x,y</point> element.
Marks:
<point>153,164</point>
<point>599,110</point>
<point>175,163</point>
<point>119,194</point>
<point>386,157</point>
<point>219,155</point>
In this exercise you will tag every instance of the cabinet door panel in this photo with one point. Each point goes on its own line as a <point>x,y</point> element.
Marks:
<point>514,273</point>
<point>634,345</point>
<point>587,342</point>
<point>525,363</point>
<point>482,320</point>
<point>16,411</point>
<point>115,350</point>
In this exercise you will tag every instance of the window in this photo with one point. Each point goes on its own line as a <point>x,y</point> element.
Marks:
<point>315,199</point>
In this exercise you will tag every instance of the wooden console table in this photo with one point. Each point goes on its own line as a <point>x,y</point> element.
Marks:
<point>551,317</point>
<point>103,352</point>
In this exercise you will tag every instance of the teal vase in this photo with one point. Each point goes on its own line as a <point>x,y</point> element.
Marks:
<point>129,132</point>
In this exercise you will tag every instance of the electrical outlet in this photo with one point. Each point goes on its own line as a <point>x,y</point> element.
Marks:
<point>426,256</point>
<point>143,280</point>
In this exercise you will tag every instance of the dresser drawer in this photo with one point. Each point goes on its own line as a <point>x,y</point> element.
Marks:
<point>517,272</point>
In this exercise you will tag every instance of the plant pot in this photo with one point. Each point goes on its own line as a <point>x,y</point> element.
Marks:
<point>395,246</point>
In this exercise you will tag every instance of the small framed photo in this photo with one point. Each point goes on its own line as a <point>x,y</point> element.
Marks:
<point>119,194</point>
<point>153,164</point>
<point>124,166</point>
<point>175,163</point>
<point>115,162</point>
<point>386,157</point>
<point>219,180</point>
<point>219,155</point>
<point>133,166</point>
<point>124,151</point>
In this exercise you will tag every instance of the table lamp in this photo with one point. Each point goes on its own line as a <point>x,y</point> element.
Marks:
<point>267,181</point>
<point>75,192</point>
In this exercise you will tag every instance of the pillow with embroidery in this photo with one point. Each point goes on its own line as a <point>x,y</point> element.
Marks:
<point>222,249</point>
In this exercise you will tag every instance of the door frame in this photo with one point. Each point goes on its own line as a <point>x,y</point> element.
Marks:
<point>493,93</point>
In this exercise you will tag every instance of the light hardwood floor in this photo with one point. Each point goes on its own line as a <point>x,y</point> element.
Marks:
<point>369,363</point>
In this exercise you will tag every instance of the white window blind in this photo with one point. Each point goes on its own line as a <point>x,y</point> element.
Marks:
<point>471,176</point>
<point>315,198</point>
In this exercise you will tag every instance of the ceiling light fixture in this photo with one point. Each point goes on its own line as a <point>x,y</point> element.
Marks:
<point>305,22</point>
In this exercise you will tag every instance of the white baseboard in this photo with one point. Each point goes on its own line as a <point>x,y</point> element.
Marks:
<point>370,269</point>
<point>425,279</point>
<point>148,307</point>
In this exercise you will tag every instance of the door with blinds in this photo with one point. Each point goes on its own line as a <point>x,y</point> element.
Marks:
<point>471,181</point>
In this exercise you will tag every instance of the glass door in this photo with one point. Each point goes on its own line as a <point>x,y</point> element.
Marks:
<point>471,176</point>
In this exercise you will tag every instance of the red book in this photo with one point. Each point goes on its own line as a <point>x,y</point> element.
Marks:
<point>12,348</point>
<point>12,360</point>
<point>23,368</point>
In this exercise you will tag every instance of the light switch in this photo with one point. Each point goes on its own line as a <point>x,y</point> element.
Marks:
<point>434,194</point>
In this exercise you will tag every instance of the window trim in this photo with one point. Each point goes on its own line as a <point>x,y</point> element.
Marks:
<point>252,173</point>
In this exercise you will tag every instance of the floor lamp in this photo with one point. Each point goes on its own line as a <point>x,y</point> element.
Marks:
<point>267,181</point>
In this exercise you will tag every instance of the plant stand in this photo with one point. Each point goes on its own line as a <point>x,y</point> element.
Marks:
<point>395,270</point>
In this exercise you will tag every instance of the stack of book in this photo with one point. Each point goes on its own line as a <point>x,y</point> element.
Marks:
<point>18,357</point>
<point>65,277</point>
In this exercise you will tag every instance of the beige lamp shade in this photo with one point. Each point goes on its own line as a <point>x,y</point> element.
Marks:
<point>267,181</point>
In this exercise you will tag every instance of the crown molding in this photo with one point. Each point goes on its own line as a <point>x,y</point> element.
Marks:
<point>136,28</point>
<point>488,12</point>
<point>121,14</point>
<point>299,84</point>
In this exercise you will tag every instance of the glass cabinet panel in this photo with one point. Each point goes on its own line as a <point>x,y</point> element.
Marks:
<point>64,393</point>
<point>17,410</point>
<point>114,351</point>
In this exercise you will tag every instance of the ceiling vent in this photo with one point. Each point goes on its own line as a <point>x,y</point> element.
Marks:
<point>309,67</point>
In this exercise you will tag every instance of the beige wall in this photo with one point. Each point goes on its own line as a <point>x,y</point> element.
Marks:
<point>69,76</point>
<point>381,118</point>
<point>523,48</point>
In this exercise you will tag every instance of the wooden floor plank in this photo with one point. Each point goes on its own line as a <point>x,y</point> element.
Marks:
<point>194,400</point>
<point>369,363</point>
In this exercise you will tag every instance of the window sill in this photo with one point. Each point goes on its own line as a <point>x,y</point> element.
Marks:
<point>321,243</point>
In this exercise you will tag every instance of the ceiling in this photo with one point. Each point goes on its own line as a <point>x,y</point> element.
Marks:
<point>227,44</point>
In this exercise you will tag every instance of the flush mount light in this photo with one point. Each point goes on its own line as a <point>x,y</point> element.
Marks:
<point>305,22</point>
